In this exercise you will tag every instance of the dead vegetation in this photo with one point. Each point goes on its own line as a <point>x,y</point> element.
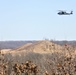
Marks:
<point>33,63</point>
<point>26,68</point>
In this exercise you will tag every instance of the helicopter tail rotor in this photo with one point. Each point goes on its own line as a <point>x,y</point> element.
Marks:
<point>71,12</point>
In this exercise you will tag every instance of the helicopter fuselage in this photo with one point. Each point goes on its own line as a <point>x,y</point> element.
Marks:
<point>65,13</point>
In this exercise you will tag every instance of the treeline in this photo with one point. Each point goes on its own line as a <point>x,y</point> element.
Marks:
<point>15,44</point>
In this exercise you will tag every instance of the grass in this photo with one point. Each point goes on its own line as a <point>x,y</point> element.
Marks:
<point>41,64</point>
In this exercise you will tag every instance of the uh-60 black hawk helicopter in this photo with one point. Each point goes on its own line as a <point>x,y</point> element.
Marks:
<point>61,12</point>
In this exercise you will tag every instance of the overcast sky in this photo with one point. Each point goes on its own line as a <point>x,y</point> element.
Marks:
<point>37,19</point>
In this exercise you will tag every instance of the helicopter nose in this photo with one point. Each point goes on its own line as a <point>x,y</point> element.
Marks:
<point>57,13</point>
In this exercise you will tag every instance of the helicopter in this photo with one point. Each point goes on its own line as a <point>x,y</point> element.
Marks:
<point>61,12</point>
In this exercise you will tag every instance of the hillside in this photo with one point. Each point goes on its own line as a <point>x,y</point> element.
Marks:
<point>43,46</point>
<point>47,55</point>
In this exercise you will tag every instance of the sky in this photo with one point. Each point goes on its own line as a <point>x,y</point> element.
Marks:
<point>37,20</point>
